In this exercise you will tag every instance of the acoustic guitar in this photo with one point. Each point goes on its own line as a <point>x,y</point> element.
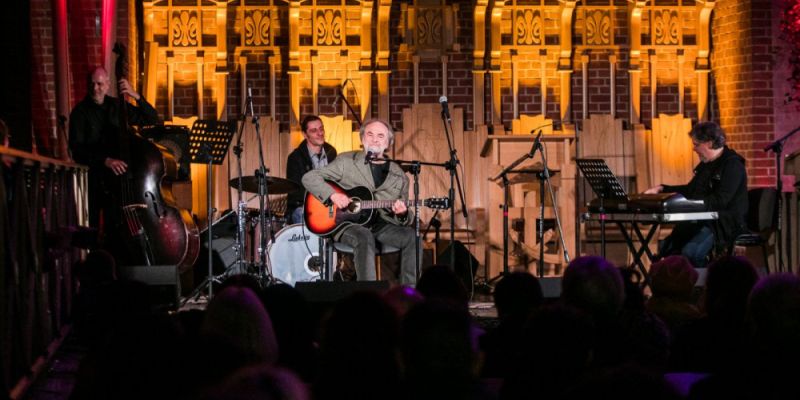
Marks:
<point>325,220</point>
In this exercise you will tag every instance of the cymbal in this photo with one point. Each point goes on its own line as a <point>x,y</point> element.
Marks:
<point>274,185</point>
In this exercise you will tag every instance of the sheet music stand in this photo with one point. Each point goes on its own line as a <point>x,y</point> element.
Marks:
<point>208,144</point>
<point>605,185</point>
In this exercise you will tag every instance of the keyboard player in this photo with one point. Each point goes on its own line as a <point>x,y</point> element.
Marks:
<point>720,180</point>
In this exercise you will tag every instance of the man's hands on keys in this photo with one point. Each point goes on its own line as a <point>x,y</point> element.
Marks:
<point>654,190</point>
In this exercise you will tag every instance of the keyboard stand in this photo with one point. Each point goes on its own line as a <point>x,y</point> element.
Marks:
<point>655,220</point>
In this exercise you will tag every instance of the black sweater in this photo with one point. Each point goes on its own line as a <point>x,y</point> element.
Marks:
<point>722,185</point>
<point>297,164</point>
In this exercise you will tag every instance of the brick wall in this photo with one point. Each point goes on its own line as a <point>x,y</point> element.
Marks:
<point>742,67</point>
<point>43,101</point>
<point>740,60</point>
<point>459,72</point>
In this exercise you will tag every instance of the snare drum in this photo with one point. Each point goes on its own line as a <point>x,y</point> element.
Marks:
<point>294,255</point>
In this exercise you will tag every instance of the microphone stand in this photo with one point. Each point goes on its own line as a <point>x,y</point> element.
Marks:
<point>504,174</point>
<point>777,148</point>
<point>545,176</point>
<point>452,166</point>
<point>415,168</point>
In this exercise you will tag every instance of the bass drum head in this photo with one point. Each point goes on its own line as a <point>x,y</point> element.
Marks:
<point>294,255</point>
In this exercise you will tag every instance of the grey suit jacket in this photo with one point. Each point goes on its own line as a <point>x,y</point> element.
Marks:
<point>349,170</point>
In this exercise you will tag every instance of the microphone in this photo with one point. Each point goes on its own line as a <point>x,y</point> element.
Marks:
<point>445,111</point>
<point>368,157</point>
<point>250,99</point>
<point>536,143</point>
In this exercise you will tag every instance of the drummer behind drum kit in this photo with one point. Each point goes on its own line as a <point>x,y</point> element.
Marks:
<point>294,252</point>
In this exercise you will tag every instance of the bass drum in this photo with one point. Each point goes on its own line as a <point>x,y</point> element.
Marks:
<point>294,255</point>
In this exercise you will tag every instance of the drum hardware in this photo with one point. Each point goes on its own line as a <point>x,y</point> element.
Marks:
<point>262,184</point>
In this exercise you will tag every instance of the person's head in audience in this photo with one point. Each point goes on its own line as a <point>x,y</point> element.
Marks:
<point>728,284</point>
<point>557,349</point>
<point>263,382</point>
<point>517,294</point>
<point>626,382</point>
<point>673,277</point>
<point>358,350</point>
<point>402,298</point>
<point>291,318</point>
<point>235,318</point>
<point>439,281</point>
<point>593,284</point>
<point>440,350</point>
<point>774,313</point>
<point>241,280</point>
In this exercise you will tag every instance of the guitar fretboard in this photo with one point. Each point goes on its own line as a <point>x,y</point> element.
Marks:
<point>370,204</point>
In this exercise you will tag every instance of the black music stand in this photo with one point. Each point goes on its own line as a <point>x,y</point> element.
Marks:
<point>208,144</point>
<point>605,185</point>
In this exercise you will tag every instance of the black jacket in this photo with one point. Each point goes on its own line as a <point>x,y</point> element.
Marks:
<point>298,163</point>
<point>722,185</point>
<point>94,129</point>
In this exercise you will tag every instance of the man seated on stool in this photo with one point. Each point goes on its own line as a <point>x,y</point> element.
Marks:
<point>387,181</point>
<point>720,180</point>
<point>312,153</point>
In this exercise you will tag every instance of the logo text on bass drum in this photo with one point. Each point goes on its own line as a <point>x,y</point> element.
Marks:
<point>296,238</point>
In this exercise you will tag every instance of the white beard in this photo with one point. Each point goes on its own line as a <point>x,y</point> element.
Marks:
<point>375,150</point>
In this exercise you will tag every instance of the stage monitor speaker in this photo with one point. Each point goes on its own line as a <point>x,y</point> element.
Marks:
<point>223,247</point>
<point>162,280</point>
<point>551,287</point>
<point>331,292</point>
<point>463,259</point>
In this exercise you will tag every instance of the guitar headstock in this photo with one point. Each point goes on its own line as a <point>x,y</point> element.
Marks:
<point>438,203</point>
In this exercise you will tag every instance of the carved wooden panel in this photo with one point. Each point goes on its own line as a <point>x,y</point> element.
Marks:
<point>328,27</point>
<point>184,27</point>
<point>428,27</point>
<point>257,27</point>
<point>598,27</point>
<point>666,26</point>
<point>528,27</point>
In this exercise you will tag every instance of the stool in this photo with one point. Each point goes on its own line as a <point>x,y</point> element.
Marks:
<point>380,249</point>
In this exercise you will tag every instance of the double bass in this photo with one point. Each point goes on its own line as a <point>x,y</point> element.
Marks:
<point>149,227</point>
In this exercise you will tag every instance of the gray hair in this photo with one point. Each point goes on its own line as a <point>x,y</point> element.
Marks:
<point>372,121</point>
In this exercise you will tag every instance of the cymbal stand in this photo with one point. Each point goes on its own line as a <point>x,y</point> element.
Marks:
<point>265,225</point>
<point>241,207</point>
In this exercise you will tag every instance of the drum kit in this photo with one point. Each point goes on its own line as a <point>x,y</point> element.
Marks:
<point>292,253</point>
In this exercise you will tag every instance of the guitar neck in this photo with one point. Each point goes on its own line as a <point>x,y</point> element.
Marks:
<point>372,204</point>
